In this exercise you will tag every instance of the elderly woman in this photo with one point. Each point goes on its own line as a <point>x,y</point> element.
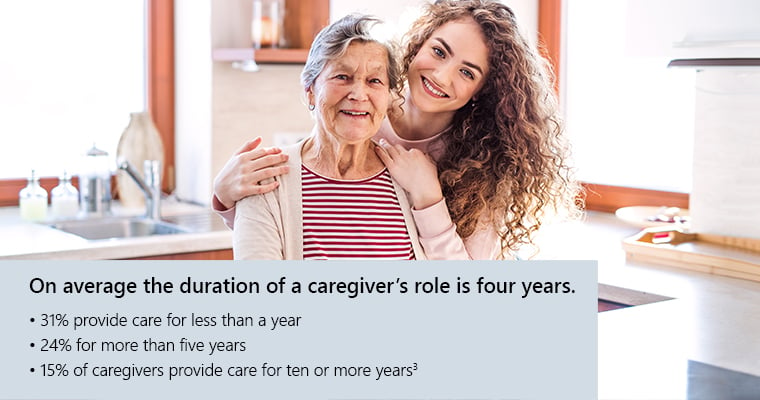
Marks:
<point>343,203</point>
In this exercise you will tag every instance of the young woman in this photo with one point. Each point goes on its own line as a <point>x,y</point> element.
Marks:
<point>476,140</point>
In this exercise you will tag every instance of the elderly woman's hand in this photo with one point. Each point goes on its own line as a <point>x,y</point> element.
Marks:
<point>415,171</point>
<point>242,174</point>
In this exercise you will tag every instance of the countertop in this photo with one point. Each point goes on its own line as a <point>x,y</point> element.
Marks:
<point>21,240</point>
<point>704,343</point>
<point>701,340</point>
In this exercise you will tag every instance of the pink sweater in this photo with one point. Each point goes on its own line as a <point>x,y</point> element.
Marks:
<point>437,232</point>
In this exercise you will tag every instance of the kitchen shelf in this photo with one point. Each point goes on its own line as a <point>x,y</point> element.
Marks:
<point>231,31</point>
<point>267,55</point>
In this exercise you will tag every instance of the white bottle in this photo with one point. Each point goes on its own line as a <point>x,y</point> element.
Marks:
<point>33,200</point>
<point>64,198</point>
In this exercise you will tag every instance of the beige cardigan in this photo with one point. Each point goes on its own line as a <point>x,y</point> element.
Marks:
<point>270,226</point>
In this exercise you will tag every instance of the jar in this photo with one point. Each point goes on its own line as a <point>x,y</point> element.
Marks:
<point>95,183</point>
<point>267,23</point>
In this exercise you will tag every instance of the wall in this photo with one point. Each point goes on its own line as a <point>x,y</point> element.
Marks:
<point>725,197</point>
<point>693,28</point>
<point>218,108</point>
<point>250,104</point>
<point>193,101</point>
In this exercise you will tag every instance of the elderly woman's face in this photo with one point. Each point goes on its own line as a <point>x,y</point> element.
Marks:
<point>352,93</point>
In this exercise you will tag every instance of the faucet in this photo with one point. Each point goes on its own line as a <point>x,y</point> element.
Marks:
<point>150,186</point>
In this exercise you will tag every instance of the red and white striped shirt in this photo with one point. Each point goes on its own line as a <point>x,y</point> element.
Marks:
<point>353,219</point>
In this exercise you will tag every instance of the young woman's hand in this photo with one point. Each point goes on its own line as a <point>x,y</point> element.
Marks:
<point>242,174</point>
<point>415,171</point>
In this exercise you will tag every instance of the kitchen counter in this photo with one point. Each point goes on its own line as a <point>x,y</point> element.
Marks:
<point>21,240</point>
<point>698,338</point>
<point>704,343</point>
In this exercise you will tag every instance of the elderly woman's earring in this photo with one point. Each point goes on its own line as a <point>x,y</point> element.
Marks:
<point>311,107</point>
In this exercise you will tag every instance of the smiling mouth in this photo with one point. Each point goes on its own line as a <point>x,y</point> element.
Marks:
<point>432,89</point>
<point>355,113</point>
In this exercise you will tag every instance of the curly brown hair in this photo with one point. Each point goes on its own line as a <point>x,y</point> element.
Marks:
<point>505,161</point>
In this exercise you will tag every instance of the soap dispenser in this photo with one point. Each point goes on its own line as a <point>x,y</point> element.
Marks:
<point>64,198</point>
<point>33,200</point>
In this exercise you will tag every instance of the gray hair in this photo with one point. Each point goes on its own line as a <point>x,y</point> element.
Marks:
<point>333,40</point>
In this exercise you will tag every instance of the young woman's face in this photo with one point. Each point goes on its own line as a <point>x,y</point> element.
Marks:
<point>450,67</point>
<point>352,93</point>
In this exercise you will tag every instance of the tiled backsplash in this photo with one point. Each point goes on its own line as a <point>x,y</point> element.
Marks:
<point>250,104</point>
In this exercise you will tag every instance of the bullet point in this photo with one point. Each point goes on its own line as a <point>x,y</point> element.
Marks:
<point>31,344</point>
<point>31,319</point>
<point>31,370</point>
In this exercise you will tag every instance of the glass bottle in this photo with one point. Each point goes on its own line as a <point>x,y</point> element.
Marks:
<point>33,200</point>
<point>64,198</point>
<point>95,183</point>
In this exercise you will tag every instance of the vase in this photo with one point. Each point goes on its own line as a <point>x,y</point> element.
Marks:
<point>140,141</point>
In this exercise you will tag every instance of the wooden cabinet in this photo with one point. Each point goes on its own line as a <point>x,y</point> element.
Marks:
<point>231,27</point>
<point>225,254</point>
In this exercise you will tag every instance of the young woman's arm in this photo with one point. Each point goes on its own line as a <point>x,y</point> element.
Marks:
<point>440,240</point>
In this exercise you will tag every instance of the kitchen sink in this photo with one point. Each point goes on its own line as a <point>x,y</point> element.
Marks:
<point>118,227</point>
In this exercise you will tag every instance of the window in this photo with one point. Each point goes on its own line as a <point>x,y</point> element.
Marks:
<point>630,118</point>
<point>71,74</point>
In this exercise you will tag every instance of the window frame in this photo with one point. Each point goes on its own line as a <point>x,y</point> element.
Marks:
<point>160,95</point>
<point>605,198</point>
<point>160,79</point>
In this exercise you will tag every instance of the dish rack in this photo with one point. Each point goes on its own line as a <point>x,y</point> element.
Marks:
<point>715,254</point>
